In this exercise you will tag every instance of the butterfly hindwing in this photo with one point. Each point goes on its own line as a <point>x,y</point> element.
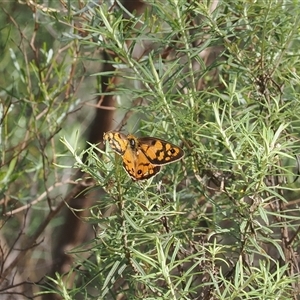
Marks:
<point>139,167</point>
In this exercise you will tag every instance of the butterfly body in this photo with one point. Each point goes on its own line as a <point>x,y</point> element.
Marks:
<point>142,157</point>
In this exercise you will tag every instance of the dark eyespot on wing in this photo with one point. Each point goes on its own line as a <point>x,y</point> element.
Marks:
<point>143,171</point>
<point>150,173</point>
<point>160,152</point>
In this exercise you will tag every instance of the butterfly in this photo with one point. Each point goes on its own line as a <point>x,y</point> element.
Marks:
<point>142,157</point>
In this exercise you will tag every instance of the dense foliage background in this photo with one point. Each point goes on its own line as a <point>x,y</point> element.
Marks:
<point>220,79</point>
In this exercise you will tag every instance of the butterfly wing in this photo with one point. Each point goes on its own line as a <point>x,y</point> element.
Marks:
<point>137,165</point>
<point>117,141</point>
<point>159,152</point>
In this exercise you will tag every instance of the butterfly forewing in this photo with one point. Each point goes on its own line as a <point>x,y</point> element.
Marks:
<point>160,152</point>
<point>117,141</point>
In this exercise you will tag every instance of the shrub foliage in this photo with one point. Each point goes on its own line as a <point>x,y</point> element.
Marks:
<point>220,80</point>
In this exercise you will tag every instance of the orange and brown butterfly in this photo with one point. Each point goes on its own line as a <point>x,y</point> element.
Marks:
<point>142,157</point>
